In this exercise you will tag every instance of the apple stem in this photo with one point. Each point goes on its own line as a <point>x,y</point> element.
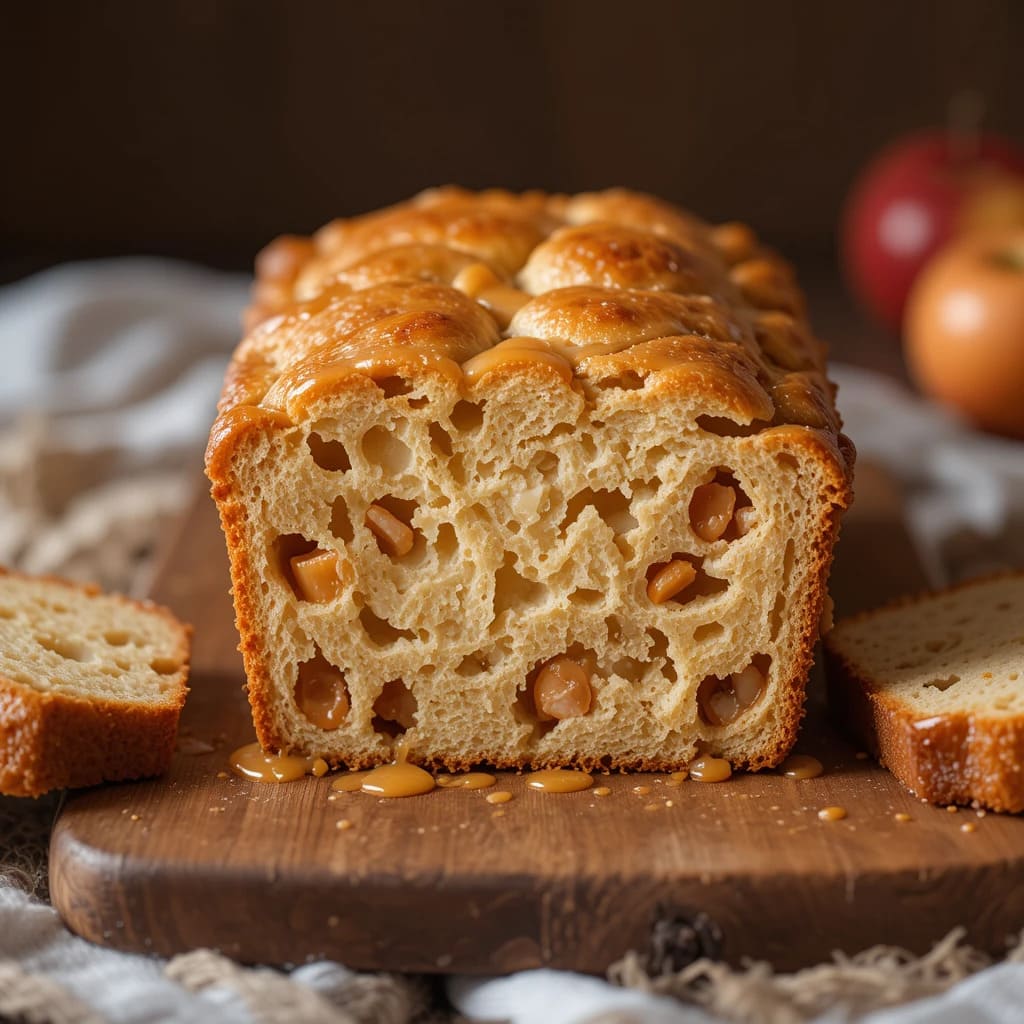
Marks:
<point>965,113</point>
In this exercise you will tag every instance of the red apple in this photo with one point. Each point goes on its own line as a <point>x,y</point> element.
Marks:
<point>909,202</point>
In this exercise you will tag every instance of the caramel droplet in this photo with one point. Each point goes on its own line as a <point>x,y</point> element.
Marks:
<point>398,780</point>
<point>801,766</point>
<point>602,791</point>
<point>710,769</point>
<point>501,797</point>
<point>560,780</point>
<point>471,780</point>
<point>832,813</point>
<point>253,762</point>
<point>350,782</point>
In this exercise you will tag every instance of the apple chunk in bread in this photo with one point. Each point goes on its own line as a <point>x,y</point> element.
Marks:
<point>590,527</point>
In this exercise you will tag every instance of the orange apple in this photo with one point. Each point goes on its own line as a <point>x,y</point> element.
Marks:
<point>964,330</point>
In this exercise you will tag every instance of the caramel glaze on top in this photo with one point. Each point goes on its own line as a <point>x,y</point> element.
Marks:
<point>601,290</point>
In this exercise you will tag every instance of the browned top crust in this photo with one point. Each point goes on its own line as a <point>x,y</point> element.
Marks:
<point>604,290</point>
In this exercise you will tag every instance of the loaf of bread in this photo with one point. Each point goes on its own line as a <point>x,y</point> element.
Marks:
<point>934,687</point>
<point>528,480</point>
<point>91,685</point>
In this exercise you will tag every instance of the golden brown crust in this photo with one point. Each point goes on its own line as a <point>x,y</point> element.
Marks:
<point>54,741</point>
<point>956,758</point>
<point>622,285</point>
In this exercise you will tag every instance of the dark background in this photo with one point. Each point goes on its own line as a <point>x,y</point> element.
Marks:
<point>201,128</point>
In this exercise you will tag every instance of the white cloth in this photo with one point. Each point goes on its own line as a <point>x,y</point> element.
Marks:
<point>111,372</point>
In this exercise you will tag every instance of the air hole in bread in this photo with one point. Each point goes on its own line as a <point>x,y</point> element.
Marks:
<point>721,701</point>
<point>395,709</point>
<point>725,427</point>
<point>6,613</point>
<point>71,650</point>
<point>467,417</point>
<point>658,644</point>
<point>612,506</point>
<point>629,380</point>
<point>116,637</point>
<point>545,464</point>
<point>584,596</point>
<point>381,632</point>
<point>165,666</point>
<point>943,682</point>
<point>341,521</point>
<point>474,664</point>
<point>709,631</point>
<point>328,454</point>
<point>447,544</point>
<point>283,550</point>
<point>588,447</point>
<point>321,692</point>
<point>777,617</point>
<point>511,590</point>
<point>440,440</point>
<point>382,448</point>
<point>943,644</point>
<point>393,387</point>
<point>628,668</point>
<point>613,628</point>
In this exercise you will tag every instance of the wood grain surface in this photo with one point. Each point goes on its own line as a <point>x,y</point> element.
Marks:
<point>439,883</point>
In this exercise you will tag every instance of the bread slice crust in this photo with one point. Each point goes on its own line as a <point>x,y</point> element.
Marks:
<point>957,757</point>
<point>55,740</point>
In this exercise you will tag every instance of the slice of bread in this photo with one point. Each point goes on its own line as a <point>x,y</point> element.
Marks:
<point>91,685</point>
<point>531,480</point>
<point>934,686</point>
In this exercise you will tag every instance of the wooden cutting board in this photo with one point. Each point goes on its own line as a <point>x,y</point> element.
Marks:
<point>440,883</point>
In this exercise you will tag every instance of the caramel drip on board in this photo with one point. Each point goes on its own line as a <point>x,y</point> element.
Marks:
<point>471,780</point>
<point>710,769</point>
<point>559,780</point>
<point>801,766</point>
<point>397,780</point>
<point>252,762</point>
<point>350,782</point>
<point>832,813</point>
<point>390,781</point>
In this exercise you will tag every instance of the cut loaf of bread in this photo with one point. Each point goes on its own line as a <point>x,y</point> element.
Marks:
<point>91,685</point>
<point>934,686</point>
<point>528,480</point>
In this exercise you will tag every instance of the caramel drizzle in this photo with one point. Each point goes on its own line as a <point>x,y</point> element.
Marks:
<point>253,762</point>
<point>559,780</point>
<point>801,766</point>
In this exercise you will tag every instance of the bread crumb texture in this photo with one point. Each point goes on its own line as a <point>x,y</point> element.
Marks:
<point>935,686</point>
<point>528,479</point>
<point>91,685</point>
